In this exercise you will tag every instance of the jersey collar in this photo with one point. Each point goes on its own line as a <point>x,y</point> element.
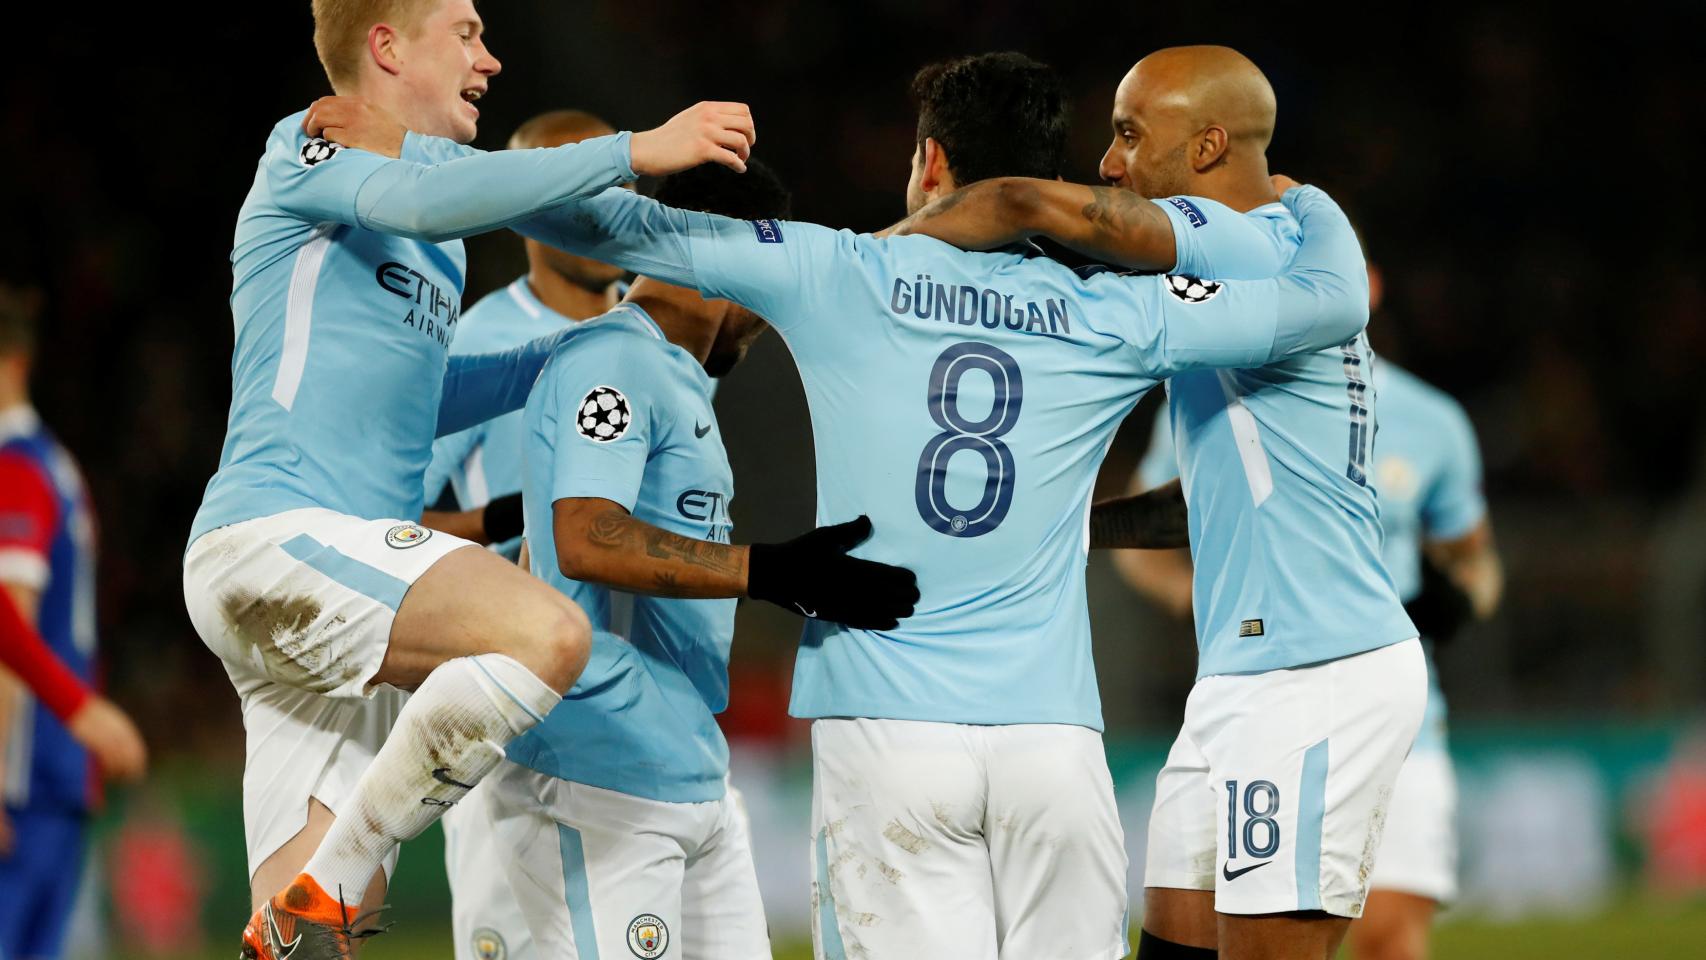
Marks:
<point>20,421</point>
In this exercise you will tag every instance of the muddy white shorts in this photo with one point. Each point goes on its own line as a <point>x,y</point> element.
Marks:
<point>955,840</point>
<point>1419,854</point>
<point>299,606</point>
<point>597,873</point>
<point>1275,794</point>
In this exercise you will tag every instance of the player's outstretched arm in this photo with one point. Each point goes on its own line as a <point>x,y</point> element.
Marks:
<point>1152,520</point>
<point>600,542</point>
<point>1113,226</point>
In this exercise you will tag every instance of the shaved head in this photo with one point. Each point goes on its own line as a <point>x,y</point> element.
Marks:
<point>1186,114</point>
<point>557,127</point>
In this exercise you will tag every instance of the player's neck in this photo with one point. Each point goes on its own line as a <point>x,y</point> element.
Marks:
<point>1243,189</point>
<point>566,297</point>
<point>679,313</point>
<point>13,394</point>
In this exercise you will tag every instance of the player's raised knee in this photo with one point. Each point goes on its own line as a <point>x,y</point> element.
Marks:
<point>558,641</point>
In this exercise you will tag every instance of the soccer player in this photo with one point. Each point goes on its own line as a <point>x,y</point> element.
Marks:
<point>616,824</point>
<point>47,568</point>
<point>482,464</point>
<point>962,804</point>
<point>305,570</point>
<point>1310,682</point>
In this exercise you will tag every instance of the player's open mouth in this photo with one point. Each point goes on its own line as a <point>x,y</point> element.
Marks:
<point>470,95</point>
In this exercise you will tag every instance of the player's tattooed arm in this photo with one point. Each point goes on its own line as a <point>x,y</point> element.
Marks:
<point>600,542</point>
<point>1152,520</point>
<point>1110,225</point>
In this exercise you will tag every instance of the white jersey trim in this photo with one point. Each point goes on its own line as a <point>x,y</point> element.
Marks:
<point>1248,439</point>
<point>299,314</point>
<point>24,567</point>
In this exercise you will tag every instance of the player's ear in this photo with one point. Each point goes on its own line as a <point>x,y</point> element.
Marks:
<point>936,174</point>
<point>382,47</point>
<point>1211,146</point>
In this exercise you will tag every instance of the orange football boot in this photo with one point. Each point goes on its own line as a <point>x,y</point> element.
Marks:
<point>303,922</point>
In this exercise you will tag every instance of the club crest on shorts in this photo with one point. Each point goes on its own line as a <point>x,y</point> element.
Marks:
<point>1191,289</point>
<point>604,415</point>
<point>319,151</point>
<point>489,944</point>
<point>648,937</point>
<point>406,535</point>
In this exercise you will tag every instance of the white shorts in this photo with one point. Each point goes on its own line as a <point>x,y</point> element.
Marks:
<point>1419,854</point>
<point>598,873</point>
<point>1276,791</point>
<point>485,917</point>
<point>953,840</point>
<point>299,606</point>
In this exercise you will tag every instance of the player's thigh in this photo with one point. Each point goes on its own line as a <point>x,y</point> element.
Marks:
<point>1418,849</point>
<point>307,598</point>
<point>1180,862</point>
<point>722,913</point>
<point>485,919</point>
<point>278,870</point>
<point>900,864</point>
<point>1057,852</point>
<point>1305,761</point>
<point>596,873</point>
<point>1393,926</point>
<point>474,601</point>
<point>302,751</point>
<point>1307,935</point>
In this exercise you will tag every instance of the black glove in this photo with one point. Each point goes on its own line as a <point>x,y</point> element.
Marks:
<point>1442,609</point>
<point>812,575</point>
<point>503,519</point>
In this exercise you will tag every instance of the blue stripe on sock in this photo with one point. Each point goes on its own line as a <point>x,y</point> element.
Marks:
<point>352,573</point>
<point>829,932</point>
<point>1311,811</point>
<point>575,892</point>
<point>499,684</point>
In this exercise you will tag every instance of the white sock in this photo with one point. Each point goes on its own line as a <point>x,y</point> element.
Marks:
<point>448,737</point>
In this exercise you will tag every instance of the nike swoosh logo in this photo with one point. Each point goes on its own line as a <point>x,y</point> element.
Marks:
<point>805,612</point>
<point>1231,874</point>
<point>281,950</point>
<point>442,775</point>
<point>699,432</point>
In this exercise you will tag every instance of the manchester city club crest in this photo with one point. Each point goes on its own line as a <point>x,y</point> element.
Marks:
<point>489,945</point>
<point>648,937</point>
<point>405,535</point>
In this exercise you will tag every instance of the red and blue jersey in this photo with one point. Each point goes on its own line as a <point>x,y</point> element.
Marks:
<point>47,544</point>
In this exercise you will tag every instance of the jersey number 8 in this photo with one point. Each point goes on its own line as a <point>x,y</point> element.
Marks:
<point>960,434</point>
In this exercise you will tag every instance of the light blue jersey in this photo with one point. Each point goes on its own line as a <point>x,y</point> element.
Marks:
<point>347,284</point>
<point>622,414</point>
<point>964,401</point>
<point>1284,524</point>
<point>1428,470</point>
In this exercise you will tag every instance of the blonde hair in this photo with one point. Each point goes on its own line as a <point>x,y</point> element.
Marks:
<point>341,27</point>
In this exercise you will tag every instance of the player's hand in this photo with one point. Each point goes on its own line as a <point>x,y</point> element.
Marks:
<point>1282,183</point>
<point>812,575</point>
<point>708,132</point>
<point>112,738</point>
<point>355,122</point>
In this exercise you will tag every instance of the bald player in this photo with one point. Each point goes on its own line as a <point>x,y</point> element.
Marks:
<point>482,465</point>
<point>1310,680</point>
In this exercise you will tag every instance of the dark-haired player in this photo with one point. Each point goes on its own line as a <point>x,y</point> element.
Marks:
<point>961,799</point>
<point>615,823</point>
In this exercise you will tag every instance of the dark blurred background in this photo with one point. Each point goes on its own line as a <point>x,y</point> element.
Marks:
<point>1522,175</point>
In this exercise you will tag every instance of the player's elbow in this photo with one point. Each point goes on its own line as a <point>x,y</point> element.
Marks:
<point>1019,201</point>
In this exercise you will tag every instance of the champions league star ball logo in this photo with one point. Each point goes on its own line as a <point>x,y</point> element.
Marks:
<point>488,945</point>
<point>406,535</point>
<point>319,151</point>
<point>603,415</point>
<point>1192,290</point>
<point>648,937</point>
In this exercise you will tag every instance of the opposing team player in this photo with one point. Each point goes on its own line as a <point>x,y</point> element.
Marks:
<point>482,464</point>
<point>616,824</point>
<point>47,570</point>
<point>1310,682</point>
<point>304,570</point>
<point>964,402</point>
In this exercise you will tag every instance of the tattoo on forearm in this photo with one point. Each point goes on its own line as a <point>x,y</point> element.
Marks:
<point>1115,211</point>
<point>616,530</point>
